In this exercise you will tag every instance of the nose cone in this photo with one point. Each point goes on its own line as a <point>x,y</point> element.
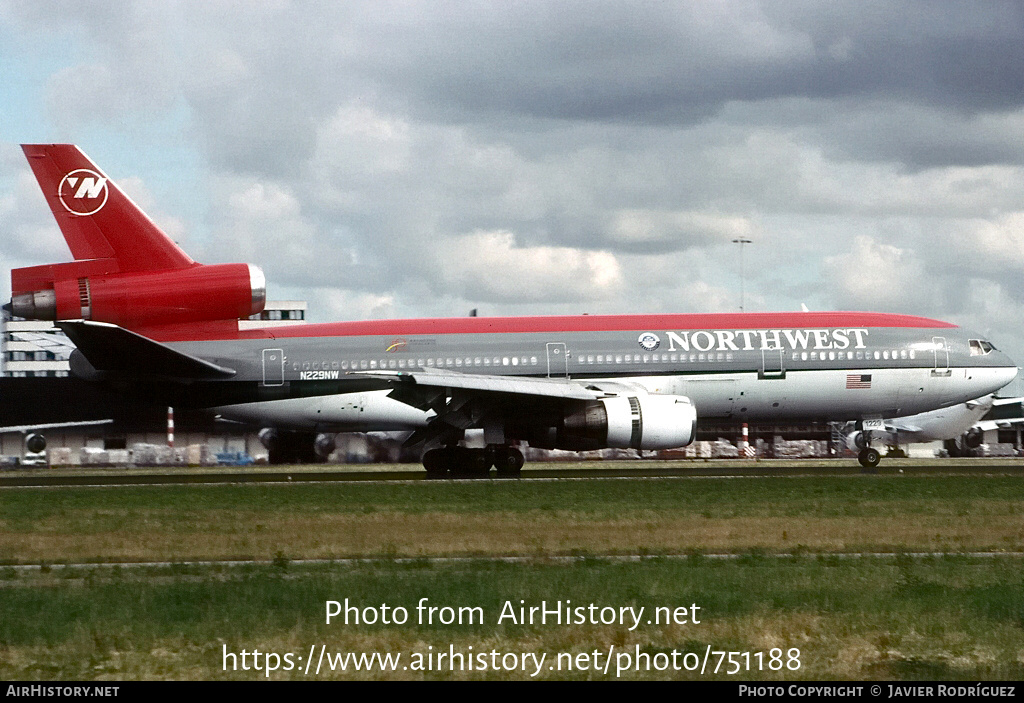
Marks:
<point>1005,374</point>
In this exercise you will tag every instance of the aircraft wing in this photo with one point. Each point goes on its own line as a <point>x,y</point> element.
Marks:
<point>54,425</point>
<point>987,425</point>
<point>542,387</point>
<point>898,425</point>
<point>474,396</point>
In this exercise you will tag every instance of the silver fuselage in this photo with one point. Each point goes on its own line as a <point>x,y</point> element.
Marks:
<point>738,368</point>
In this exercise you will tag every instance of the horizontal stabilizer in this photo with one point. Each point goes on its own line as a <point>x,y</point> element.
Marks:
<point>111,348</point>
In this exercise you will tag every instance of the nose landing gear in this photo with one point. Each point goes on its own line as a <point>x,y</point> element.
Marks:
<point>869,458</point>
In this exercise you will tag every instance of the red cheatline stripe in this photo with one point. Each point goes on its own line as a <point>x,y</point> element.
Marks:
<point>598,323</point>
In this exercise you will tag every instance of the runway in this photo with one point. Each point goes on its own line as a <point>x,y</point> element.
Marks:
<point>551,471</point>
<point>510,559</point>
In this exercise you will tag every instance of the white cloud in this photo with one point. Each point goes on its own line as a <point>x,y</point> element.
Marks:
<point>877,276</point>
<point>424,158</point>
<point>676,230</point>
<point>490,266</point>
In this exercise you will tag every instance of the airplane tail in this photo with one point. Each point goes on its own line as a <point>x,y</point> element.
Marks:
<point>97,219</point>
<point>127,271</point>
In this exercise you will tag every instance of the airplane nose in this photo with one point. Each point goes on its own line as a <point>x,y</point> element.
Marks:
<point>1006,374</point>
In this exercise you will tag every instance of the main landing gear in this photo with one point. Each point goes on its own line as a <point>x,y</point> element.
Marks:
<point>462,462</point>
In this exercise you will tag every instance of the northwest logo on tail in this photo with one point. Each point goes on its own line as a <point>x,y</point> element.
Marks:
<point>83,192</point>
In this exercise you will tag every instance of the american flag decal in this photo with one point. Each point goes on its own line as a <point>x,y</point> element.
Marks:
<point>858,380</point>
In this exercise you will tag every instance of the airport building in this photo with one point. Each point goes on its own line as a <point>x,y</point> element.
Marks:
<point>34,369</point>
<point>36,348</point>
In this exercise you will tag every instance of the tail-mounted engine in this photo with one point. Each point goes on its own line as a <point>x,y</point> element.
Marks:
<point>83,290</point>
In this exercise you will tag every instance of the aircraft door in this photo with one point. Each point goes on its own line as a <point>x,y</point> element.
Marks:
<point>941,357</point>
<point>558,364</point>
<point>772,364</point>
<point>273,367</point>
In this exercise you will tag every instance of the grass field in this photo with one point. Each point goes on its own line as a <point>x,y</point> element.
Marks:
<point>942,618</point>
<point>952,617</point>
<point>539,518</point>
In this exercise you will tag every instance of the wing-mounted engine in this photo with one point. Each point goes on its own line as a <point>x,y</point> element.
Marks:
<point>627,422</point>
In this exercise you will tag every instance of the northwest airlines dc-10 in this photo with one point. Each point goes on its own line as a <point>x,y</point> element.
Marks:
<point>148,320</point>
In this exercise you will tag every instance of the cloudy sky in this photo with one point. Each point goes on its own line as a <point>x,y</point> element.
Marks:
<point>403,159</point>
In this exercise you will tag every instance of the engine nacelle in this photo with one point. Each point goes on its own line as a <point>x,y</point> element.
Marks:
<point>974,437</point>
<point>270,438</point>
<point>35,443</point>
<point>198,293</point>
<point>629,422</point>
<point>857,441</point>
<point>324,445</point>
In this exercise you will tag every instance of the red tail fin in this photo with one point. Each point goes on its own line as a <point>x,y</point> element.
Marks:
<point>126,270</point>
<point>97,219</point>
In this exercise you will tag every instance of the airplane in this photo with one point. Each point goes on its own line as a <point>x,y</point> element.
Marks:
<point>148,320</point>
<point>935,425</point>
<point>1005,414</point>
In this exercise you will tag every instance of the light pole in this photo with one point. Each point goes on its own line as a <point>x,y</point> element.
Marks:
<point>741,241</point>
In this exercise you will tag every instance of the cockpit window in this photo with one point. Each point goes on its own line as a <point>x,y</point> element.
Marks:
<point>980,347</point>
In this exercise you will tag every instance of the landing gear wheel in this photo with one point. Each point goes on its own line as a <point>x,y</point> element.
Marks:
<point>471,462</point>
<point>869,458</point>
<point>438,461</point>
<point>509,462</point>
